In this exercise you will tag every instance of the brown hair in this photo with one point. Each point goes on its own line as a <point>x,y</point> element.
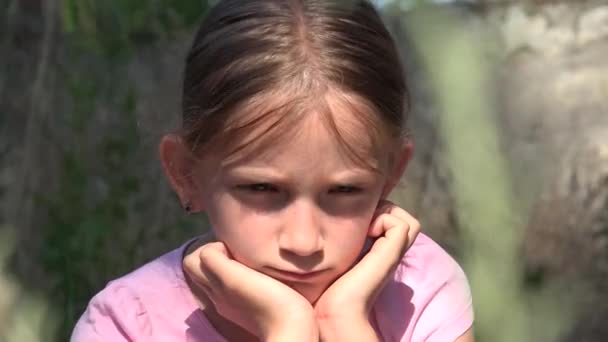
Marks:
<point>278,60</point>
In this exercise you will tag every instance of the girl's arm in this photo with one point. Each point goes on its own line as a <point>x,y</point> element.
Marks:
<point>301,331</point>
<point>348,330</point>
<point>364,332</point>
<point>343,309</point>
<point>263,306</point>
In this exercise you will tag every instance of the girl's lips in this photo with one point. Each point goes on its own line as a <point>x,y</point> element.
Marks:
<point>295,276</point>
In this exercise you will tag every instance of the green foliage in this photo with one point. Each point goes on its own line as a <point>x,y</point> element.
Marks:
<point>81,223</point>
<point>30,316</point>
<point>88,232</point>
<point>113,28</point>
<point>487,211</point>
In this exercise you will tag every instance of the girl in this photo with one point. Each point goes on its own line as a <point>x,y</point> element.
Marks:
<point>292,138</point>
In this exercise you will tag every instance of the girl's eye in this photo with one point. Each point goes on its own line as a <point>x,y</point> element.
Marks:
<point>258,187</point>
<point>345,189</point>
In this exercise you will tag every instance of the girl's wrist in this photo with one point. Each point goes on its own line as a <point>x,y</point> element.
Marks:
<point>302,329</point>
<point>344,328</point>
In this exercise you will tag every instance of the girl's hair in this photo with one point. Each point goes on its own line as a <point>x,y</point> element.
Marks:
<point>262,65</point>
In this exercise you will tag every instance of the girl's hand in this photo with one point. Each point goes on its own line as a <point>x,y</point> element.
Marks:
<point>260,304</point>
<point>343,309</point>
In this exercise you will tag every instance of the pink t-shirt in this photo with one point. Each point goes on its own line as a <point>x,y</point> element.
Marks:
<point>428,300</point>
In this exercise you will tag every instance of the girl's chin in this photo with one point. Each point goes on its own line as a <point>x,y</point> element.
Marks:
<point>312,292</point>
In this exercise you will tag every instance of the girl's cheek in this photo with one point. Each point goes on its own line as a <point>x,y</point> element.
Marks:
<point>248,225</point>
<point>355,216</point>
<point>348,234</point>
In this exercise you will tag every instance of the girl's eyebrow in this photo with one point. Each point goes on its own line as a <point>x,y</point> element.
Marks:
<point>257,173</point>
<point>268,173</point>
<point>353,173</point>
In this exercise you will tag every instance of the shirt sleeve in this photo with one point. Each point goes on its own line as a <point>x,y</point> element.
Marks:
<point>452,306</point>
<point>114,314</point>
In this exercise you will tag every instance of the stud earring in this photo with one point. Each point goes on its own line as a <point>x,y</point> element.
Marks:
<point>188,207</point>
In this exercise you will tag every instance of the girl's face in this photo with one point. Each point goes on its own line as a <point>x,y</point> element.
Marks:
<point>299,212</point>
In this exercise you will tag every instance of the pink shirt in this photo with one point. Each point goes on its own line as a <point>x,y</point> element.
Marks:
<point>428,300</point>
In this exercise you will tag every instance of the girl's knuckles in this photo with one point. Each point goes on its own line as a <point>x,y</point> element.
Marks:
<point>206,254</point>
<point>190,263</point>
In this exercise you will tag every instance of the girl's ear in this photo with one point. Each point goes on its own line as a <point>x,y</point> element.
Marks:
<point>180,169</point>
<point>398,168</point>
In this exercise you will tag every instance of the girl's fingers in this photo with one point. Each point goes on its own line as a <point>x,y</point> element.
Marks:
<point>224,273</point>
<point>412,222</point>
<point>217,265</point>
<point>383,207</point>
<point>388,208</point>
<point>395,230</point>
<point>200,283</point>
<point>192,263</point>
<point>208,266</point>
<point>384,255</point>
<point>192,267</point>
<point>391,245</point>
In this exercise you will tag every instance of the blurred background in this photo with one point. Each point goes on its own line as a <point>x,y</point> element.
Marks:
<point>510,122</point>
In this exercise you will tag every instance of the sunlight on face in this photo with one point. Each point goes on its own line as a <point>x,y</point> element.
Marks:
<point>300,212</point>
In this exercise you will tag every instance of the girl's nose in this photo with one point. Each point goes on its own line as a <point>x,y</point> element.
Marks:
<point>301,232</point>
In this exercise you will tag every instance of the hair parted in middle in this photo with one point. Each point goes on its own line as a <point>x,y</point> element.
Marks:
<point>264,65</point>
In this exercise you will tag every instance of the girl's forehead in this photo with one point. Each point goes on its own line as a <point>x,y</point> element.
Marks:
<point>312,152</point>
<point>336,123</point>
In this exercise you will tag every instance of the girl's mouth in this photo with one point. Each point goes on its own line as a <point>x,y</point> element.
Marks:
<point>295,276</point>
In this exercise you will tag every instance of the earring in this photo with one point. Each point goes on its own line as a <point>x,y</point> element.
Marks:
<point>188,207</point>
